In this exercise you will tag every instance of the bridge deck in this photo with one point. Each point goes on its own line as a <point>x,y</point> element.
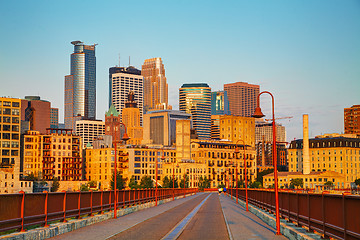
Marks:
<point>201,216</point>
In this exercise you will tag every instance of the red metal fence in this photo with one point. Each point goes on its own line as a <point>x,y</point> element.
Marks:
<point>19,211</point>
<point>332,215</point>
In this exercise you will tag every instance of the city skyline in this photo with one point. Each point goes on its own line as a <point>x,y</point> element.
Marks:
<point>300,51</point>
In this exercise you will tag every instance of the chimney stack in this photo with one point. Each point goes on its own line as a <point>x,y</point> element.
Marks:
<point>306,158</point>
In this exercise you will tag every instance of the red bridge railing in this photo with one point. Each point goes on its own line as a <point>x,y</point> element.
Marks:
<point>332,215</point>
<point>20,211</point>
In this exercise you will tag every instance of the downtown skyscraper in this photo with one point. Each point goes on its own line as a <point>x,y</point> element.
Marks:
<point>80,85</point>
<point>195,98</point>
<point>242,98</point>
<point>123,80</point>
<point>155,85</point>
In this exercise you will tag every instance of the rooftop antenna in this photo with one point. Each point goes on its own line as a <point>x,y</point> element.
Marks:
<point>129,61</point>
<point>119,59</point>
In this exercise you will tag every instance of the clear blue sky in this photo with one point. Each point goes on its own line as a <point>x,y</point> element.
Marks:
<point>306,52</point>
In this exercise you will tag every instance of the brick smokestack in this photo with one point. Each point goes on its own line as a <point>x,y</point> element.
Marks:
<point>306,158</point>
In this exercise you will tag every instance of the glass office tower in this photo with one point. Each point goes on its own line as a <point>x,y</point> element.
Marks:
<point>195,98</point>
<point>80,85</point>
<point>219,103</point>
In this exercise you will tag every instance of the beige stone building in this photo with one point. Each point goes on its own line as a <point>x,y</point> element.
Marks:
<point>234,128</point>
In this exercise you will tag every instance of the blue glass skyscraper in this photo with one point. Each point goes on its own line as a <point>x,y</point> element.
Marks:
<point>195,98</point>
<point>220,103</point>
<point>80,85</point>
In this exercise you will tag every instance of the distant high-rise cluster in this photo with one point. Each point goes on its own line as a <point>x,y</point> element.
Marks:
<point>80,85</point>
<point>200,139</point>
<point>155,85</point>
<point>242,98</point>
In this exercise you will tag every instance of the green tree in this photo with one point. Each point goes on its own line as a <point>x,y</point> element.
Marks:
<point>186,182</point>
<point>31,177</point>
<point>357,182</point>
<point>175,184</point>
<point>166,182</point>
<point>255,184</point>
<point>240,184</point>
<point>221,185</point>
<point>260,175</point>
<point>120,182</point>
<point>329,184</point>
<point>84,187</point>
<point>296,183</point>
<point>204,183</point>
<point>146,182</point>
<point>133,183</point>
<point>55,185</point>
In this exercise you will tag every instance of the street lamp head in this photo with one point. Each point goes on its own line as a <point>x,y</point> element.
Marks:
<point>125,137</point>
<point>163,158</point>
<point>237,150</point>
<point>258,113</point>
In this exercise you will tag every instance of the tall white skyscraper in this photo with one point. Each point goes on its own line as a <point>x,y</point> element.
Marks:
<point>122,80</point>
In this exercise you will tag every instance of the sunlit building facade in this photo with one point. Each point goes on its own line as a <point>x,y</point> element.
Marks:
<point>155,85</point>
<point>242,98</point>
<point>195,99</point>
<point>80,85</point>
<point>37,112</point>
<point>54,154</point>
<point>89,130</point>
<point>122,80</point>
<point>352,120</point>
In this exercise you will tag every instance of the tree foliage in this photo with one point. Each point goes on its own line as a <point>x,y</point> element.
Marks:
<point>357,182</point>
<point>120,182</point>
<point>133,183</point>
<point>296,183</point>
<point>204,183</point>
<point>84,187</point>
<point>255,184</point>
<point>55,184</point>
<point>186,182</point>
<point>329,184</point>
<point>240,184</point>
<point>146,182</point>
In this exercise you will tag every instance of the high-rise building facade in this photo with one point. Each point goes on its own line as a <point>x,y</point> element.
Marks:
<point>10,115</point>
<point>36,112</point>
<point>131,119</point>
<point>220,103</point>
<point>195,99</point>
<point>242,98</point>
<point>160,126</point>
<point>352,120</point>
<point>89,130</point>
<point>234,128</point>
<point>54,118</point>
<point>155,85</point>
<point>123,80</point>
<point>80,85</point>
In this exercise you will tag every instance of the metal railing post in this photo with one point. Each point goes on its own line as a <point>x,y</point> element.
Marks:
<point>22,211</point>
<point>46,208</point>
<point>64,206</point>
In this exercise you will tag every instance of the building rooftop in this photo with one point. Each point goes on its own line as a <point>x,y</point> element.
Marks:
<point>112,111</point>
<point>189,85</point>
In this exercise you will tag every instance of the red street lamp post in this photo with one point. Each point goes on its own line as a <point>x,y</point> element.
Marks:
<point>259,114</point>
<point>184,182</point>
<point>173,180</point>
<point>156,176</point>
<point>125,138</point>
<point>245,173</point>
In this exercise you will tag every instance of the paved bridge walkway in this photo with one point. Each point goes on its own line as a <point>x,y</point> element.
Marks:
<point>201,216</point>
